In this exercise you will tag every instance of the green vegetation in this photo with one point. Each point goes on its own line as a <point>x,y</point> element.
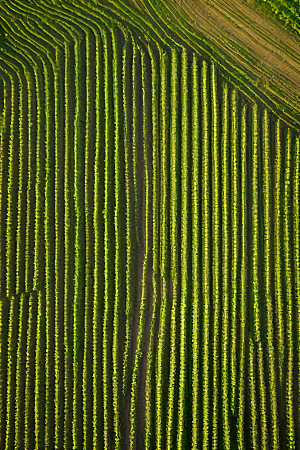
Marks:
<point>287,11</point>
<point>149,238</point>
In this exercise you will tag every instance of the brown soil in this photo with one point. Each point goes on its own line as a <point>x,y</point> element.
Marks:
<point>238,26</point>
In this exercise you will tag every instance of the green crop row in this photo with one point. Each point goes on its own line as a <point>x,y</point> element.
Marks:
<point>216,251</point>
<point>206,242</point>
<point>235,243</point>
<point>164,226</point>
<point>83,363</point>
<point>288,288</point>
<point>255,277</point>
<point>225,264</point>
<point>267,276</point>
<point>150,373</point>
<point>243,277</point>
<point>182,399</point>
<point>195,245</point>
<point>144,299</point>
<point>174,219</point>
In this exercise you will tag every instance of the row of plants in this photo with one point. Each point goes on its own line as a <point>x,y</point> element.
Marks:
<point>196,196</point>
<point>215,252</point>
<point>108,255</point>
<point>150,372</point>
<point>243,275</point>
<point>206,243</point>
<point>255,281</point>
<point>89,238</point>
<point>117,225</point>
<point>225,264</point>
<point>287,232</point>
<point>296,248</point>
<point>164,225</point>
<point>98,225</point>
<point>182,395</point>
<point>129,291</point>
<point>141,325</point>
<point>174,234</point>
<point>278,292</point>
<point>235,244</point>
<point>286,11</point>
<point>112,376</point>
<point>267,278</point>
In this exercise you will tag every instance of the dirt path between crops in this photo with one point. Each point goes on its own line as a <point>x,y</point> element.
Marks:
<point>239,24</point>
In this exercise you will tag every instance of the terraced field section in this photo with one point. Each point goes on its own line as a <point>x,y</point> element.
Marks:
<point>149,238</point>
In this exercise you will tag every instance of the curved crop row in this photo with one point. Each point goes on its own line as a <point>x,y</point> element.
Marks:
<point>102,94</point>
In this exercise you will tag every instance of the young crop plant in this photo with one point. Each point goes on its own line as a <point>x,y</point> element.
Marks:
<point>225,261</point>
<point>135,136</point>
<point>255,279</point>
<point>174,218</point>
<point>32,126</point>
<point>243,283</point>
<point>278,256</point>
<point>3,197</point>
<point>39,204</point>
<point>296,246</point>
<point>2,368</point>
<point>182,400</point>
<point>206,241</point>
<point>195,246</point>
<point>117,224</point>
<point>150,388</point>
<point>267,277</point>
<point>138,352</point>
<point>126,79</point>
<point>253,402</point>
<point>21,188</point>
<point>289,294</point>
<point>29,377</point>
<point>13,151</point>
<point>108,262</point>
<point>88,202</point>
<point>79,242</point>
<point>149,235</point>
<point>215,252</point>
<point>98,248</point>
<point>11,370</point>
<point>59,280</point>
<point>67,254</point>
<point>235,247</point>
<point>49,260</point>
<point>39,393</point>
<point>164,225</point>
<point>20,372</point>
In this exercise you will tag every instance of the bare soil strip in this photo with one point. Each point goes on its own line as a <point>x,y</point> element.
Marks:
<point>241,30</point>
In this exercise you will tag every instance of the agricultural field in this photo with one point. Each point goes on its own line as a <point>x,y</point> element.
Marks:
<point>149,226</point>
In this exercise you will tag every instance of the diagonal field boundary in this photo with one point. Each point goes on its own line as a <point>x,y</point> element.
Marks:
<point>149,237</point>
